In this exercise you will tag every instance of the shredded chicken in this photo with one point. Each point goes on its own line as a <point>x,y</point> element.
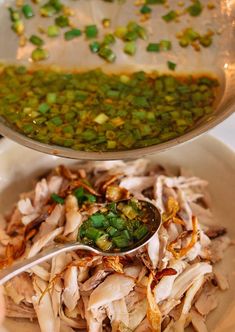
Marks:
<point>168,285</point>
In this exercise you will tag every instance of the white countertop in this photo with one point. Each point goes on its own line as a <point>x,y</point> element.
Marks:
<point>226,131</point>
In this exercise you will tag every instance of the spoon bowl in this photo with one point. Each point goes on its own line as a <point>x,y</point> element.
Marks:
<point>154,219</point>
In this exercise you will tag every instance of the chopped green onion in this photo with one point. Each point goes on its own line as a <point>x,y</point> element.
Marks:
<point>57,121</point>
<point>111,231</point>
<point>27,11</point>
<point>57,199</point>
<point>140,232</point>
<point>43,108</point>
<point>170,16</point>
<point>107,54</point>
<point>121,241</point>
<point>97,220</point>
<point>90,198</point>
<point>51,7</point>
<point>79,193</point>
<point>36,40</point>
<point>71,34</point>
<point>53,31</point>
<point>205,41</point>
<point>184,42</point>
<point>14,14</point>
<point>111,144</point>
<point>101,118</point>
<point>153,47</point>
<point>103,243</point>
<point>39,54</point>
<point>18,27</point>
<point>130,48</point>
<point>109,39</point>
<point>51,98</point>
<point>62,21</point>
<point>47,10</point>
<point>171,65</point>
<point>118,223</point>
<point>120,32</point>
<point>145,9</point>
<point>95,47</point>
<point>155,2</point>
<point>165,45</point>
<point>191,34</point>
<point>93,233</point>
<point>131,36</point>
<point>195,9</point>
<point>91,31</point>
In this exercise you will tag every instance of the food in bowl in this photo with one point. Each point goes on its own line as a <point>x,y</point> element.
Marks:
<point>94,111</point>
<point>165,285</point>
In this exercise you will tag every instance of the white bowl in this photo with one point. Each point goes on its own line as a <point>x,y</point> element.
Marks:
<point>206,157</point>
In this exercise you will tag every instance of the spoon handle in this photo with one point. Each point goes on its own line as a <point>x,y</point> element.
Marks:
<point>12,271</point>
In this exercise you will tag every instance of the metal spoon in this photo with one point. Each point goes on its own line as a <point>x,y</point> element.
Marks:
<point>154,222</point>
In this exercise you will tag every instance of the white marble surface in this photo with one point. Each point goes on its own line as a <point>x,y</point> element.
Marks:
<point>226,131</point>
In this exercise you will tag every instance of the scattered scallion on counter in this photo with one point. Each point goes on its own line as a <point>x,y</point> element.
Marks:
<point>171,65</point>
<point>191,37</point>
<point>130,48</point>
<point>39,54</point>
<point>27,11</point>
<point>71,34</point>
<point>51,8</point>
<point>170,16</point>
<point>91,31</point>
<point>62,21</point>
<point>53,31</point>
<point>195,9</point>
<point>155,2</point>
<point>145,9</point>
<point>35,40</point>
<point>107,54</point>
<point>94,47</point>
<point>153,47</point>
<point>165,45</point>
<point>14,14</point>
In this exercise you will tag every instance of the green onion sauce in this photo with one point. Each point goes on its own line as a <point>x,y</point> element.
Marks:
<point>95,111</point>
<point>117,226</point>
